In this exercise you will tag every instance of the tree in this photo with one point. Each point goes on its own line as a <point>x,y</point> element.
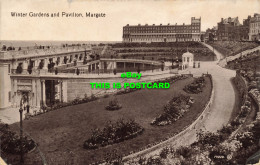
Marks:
<point>3,48</point>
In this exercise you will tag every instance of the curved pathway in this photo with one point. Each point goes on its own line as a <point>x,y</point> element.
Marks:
<point>220,110</point>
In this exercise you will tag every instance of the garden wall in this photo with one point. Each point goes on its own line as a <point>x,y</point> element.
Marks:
<point>79,86</point>
<point>241,85</point>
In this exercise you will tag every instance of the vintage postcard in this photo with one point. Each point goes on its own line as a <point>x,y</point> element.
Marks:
<point>129,82</point>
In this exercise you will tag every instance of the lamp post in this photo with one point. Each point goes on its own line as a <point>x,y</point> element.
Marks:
<point>21,132</point>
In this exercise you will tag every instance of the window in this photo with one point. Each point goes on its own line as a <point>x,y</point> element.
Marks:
<point>9,68</point>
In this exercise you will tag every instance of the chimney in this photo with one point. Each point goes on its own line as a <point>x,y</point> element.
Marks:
<point>139,24</point>
<point>160,24</point>
<point>229,19</point>
<point>222,20</point>
<point>153,24</point>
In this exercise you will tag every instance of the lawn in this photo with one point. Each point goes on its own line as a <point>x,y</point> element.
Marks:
<point>61,133</point>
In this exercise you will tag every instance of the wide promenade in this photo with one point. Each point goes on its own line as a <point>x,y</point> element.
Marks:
<point>219,112</point>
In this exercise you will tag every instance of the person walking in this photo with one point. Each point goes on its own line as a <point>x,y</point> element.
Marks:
<point>28,108</point>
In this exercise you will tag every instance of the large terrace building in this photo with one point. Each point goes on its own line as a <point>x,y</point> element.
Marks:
<point>163,33</point>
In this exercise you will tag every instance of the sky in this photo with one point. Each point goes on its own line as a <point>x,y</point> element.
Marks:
<point>118,14</point>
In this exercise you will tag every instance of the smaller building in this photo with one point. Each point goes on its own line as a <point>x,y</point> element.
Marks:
<point>187,60</point>
<point>211,34</point>
<point>227,29</point>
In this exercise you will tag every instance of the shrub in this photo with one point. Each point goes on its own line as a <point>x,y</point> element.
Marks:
<point>235,123</point>
<point>209,138</point>
<point>113,105</point>
<point>154,161</point>
<point>93,97</point>
<point>227,130</point>
<point>244,111</point>
<point>196,86</point>
<point>113,133</point>
<point>173,110</point>
<point>184,151</point>
<point>113,158</point>
<point>10,142</point>
<point>76,101</point>
<point>164,153</point>
<point>106,95</point>
<point>246,138</point>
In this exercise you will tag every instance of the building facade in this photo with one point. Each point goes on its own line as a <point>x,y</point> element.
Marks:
<point>16,80</point>
<point>254,28</point>
<point>230,29</point>
<point>226,29</point>
<point>163,33</point>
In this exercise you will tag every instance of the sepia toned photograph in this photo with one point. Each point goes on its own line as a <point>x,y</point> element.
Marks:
<point>129,82</point>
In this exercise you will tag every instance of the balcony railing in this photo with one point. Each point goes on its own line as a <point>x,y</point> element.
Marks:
<point>37,72</point>
<point>40,52</point>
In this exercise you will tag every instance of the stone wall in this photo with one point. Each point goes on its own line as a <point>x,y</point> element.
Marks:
<point>241,85</point>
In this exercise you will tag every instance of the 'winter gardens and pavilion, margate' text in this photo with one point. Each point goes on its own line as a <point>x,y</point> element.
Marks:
<point>58,14</point>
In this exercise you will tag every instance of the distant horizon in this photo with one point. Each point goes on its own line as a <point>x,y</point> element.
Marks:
<point>30,43</point>
<point>64,40</point>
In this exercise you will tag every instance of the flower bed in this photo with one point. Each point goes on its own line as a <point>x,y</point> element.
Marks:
<point>10,141</point>
<point>56,106</point>
<point>113,133</point>
<point>128,90</point>
<point>113,105</point>
<point>196,86</point>
<point>173,110</point>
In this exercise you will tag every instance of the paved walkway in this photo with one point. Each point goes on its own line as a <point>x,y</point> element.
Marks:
<point>10,115</point>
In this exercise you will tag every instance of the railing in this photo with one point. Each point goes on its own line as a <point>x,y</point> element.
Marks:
<point>50,72</point>
<point>132,60</point>
<point>40,52</point>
